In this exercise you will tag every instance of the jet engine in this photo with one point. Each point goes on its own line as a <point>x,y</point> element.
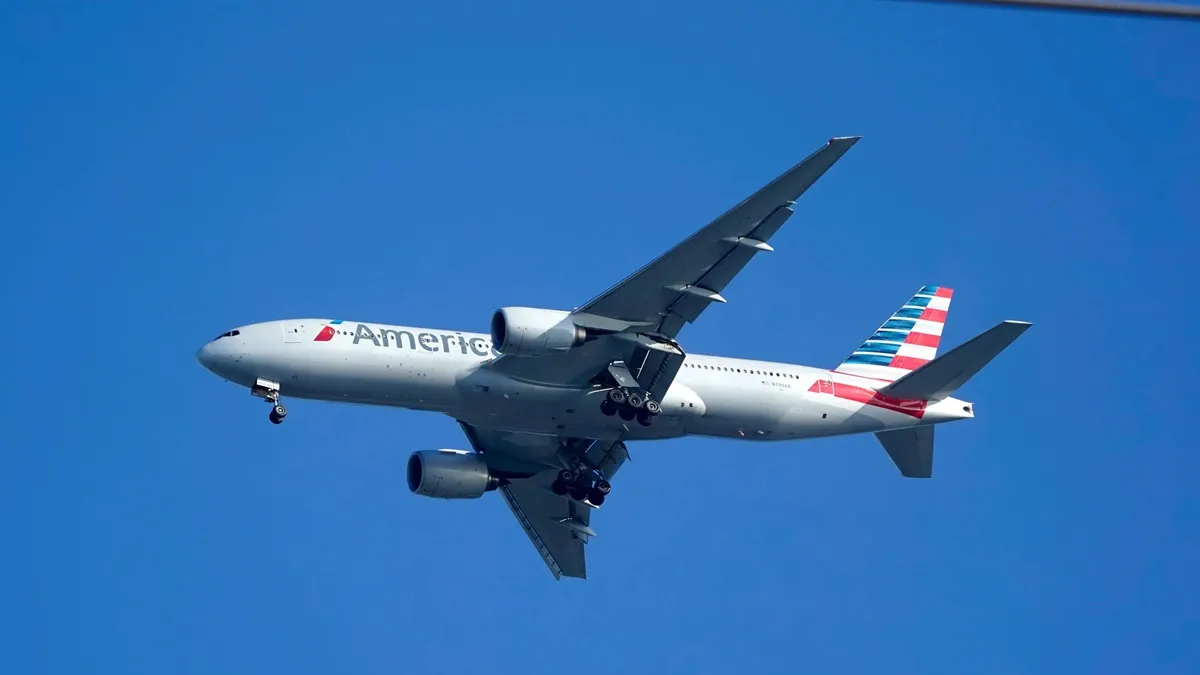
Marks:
<point>449,474</point>
<point>526,331</point>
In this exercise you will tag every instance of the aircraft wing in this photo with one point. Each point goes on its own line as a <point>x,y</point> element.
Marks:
<point>674,289</point>
<point>558,526</point>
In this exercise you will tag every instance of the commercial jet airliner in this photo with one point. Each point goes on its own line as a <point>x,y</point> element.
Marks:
<point>548,398</point>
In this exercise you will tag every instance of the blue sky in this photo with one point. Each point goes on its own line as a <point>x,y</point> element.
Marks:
<point>170,171</point>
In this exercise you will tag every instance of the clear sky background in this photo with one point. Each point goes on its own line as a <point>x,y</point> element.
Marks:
<point>170,171</point>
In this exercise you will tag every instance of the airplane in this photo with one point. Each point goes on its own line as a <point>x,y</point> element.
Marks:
<point>548,399</point>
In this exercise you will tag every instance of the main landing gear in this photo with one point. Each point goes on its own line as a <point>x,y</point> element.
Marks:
<point>268,390</point>
<point>630,403</point>
<point>581,487</point>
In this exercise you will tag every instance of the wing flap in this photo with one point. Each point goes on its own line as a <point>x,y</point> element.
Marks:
<point>736,258</point>
<point>544,516</point>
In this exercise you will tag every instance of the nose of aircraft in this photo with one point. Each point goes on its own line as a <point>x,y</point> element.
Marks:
<point>221,355</point>
<point>207,356</point>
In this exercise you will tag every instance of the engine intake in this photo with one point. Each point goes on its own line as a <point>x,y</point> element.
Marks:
<point>527,331</point>
<point>449,474</point>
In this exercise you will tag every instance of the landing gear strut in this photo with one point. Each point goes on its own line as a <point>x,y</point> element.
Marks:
<point>268,390</point>
<point>630,402</point>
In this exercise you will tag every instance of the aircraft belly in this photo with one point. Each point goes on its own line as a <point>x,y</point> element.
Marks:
<point>749,412</point>
<point>493,400</point>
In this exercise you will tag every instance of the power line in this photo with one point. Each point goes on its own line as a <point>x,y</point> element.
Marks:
<point>1159,10</point>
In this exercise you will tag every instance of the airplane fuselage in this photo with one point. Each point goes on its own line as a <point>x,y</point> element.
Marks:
<point>439,370</point>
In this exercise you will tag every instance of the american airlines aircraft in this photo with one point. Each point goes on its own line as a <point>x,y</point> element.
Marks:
<point>549,398</point>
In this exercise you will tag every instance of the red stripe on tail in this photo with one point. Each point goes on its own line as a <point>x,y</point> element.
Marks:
<point>930,314</point>
<point>908,362</point>
<point>923,339</point>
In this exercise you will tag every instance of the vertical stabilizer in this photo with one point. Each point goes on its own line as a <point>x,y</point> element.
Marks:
<point>911,450</point>
<point>906,341</point>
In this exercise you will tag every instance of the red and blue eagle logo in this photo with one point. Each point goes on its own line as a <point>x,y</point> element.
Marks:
<point>327,332</point>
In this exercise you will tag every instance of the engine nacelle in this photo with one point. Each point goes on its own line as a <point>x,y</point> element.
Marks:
<point>526,331</point>
<point>449,474</point>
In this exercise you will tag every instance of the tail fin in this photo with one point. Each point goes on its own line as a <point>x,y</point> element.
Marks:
<point>910,449</point>
<point>904,342</point>
<point>945,374</point>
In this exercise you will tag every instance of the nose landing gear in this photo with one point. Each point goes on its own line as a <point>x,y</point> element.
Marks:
<point>269,390</point>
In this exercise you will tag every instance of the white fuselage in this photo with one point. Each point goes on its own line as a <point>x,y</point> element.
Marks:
<point>439,370</point>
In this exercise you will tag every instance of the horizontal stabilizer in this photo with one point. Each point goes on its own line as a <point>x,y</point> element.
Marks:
<point>942,376</point>
<point>911,450</point>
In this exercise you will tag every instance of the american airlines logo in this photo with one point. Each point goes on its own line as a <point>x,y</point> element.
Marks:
<point>430,341</point>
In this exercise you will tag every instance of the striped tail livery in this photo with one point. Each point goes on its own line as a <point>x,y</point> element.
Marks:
<point>906,341</point>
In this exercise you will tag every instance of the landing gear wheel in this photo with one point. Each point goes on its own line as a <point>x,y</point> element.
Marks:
<point>608,408</point>
<point>603,486</point>
<point>595,496</point>
<point>617,396</point>
<point>579,494</point>
<point>652,407</point>
<point>278,412</point>
<point>563,482</point>
<point>635,401</point>
<point>626,413</point>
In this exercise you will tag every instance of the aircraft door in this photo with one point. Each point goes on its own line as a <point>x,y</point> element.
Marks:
<point>291,332</point>
<point>825,384</point>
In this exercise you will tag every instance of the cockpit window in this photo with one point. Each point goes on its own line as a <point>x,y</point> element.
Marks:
<point>229,334</point>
